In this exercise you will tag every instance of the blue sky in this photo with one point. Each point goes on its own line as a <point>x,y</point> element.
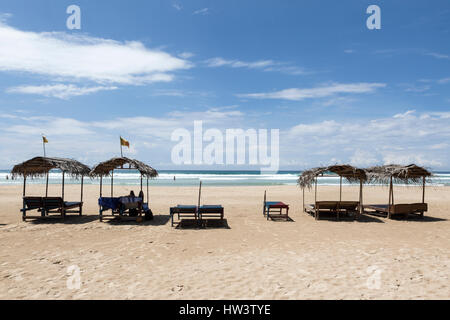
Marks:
<point>337,91</point>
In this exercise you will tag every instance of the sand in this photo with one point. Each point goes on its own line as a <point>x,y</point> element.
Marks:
<point>374,258</point>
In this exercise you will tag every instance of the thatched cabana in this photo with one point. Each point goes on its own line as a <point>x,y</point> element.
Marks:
<point>41,166</point>
<point>107,168</point>
<point>353,175</point>
<point>394,173</point>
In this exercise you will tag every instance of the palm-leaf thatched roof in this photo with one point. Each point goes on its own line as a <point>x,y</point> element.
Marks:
<point>399,173</point>
<point>348,172</point>
<point>105,168</point>
<point>39,166</point>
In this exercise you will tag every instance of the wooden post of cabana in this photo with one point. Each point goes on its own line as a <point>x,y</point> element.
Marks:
<point>63,182</point>
<point>101,195</point>
<point>303,198</point>
<point>39,167</point>
<point>423,190</point>
<point>316,216</point>
<point>112,183</point>
<point>391,198</point>
<point>81,197</point>
<point>46,185</point>
<point>360,198</point>
<point>24,185</point>
<point>23,197</point>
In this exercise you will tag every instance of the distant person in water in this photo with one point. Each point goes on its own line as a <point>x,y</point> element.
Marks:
<point>174,178</point>
<point>7,178</point>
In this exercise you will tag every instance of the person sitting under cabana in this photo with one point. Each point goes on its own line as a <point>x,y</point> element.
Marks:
<point>145,207</point>
<point>126,205</point>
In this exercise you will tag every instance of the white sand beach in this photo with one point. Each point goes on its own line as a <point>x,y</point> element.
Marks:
<point>374,258</point>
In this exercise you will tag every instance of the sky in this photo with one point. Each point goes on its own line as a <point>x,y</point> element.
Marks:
<point>337,91</point>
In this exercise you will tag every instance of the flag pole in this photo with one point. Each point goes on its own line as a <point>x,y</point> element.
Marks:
<point>121,153</point>
<point>46,180</point>
<point>43,145</point>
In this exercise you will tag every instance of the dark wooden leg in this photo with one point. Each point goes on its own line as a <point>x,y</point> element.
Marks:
<point>100,214</point>
<point>287,214</point>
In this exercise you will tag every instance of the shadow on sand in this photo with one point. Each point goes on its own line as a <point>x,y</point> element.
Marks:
<point>158,220</point>
<point>328,216</point>
<point>411,217</point>
<point>204,224</point>
<point>280,219</point>
<point>70,219</point>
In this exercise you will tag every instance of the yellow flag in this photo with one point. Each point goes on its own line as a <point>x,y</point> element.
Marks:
<point>124,142</point>
<point>44,139</point>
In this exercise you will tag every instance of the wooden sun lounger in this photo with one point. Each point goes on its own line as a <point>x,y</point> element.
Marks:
<point>32,203</point>
<point>183,211</point>
<point>337,207</point>
<point>119,207</point>
<point>58,205</point>
<point>210,211</point>
<point>271,207</point>
<point>399,209</point>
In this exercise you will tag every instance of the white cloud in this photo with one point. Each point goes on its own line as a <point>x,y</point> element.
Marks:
<point>55,126</point>
<point>203,11</point>
<point>444,80</point>
<point>297,94</point>
<point>220,62</point>
<point>403,138</point>
<point>362,158</point>
<point>265,65</point>
<point>186,55</point>
<point>177,6</point>
<point>439,55</point>
<point>61,91</point>
<point>5,17</point>
<point>64,56</point>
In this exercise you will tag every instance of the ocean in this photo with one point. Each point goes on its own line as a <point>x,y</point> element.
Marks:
<point>192,178</point>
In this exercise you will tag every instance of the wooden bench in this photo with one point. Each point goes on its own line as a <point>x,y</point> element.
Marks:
<point>337,207</point>
<point>277,207</point>
<point>210,211</point>
<point>32,203</point>
<point>183,211</point>
<point>58,205</point>
<point>399,209</point>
